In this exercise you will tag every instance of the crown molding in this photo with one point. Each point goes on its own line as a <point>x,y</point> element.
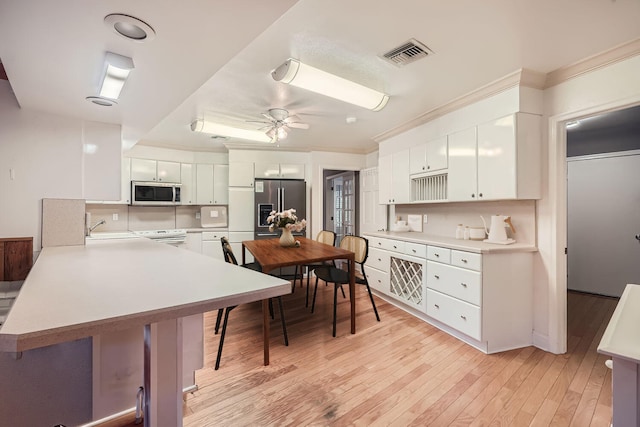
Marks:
<point>522,77</point>
<point>591,63</point>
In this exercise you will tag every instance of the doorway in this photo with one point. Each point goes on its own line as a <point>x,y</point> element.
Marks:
<point>341,203</point>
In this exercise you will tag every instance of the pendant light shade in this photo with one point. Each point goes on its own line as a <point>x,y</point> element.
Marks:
<point>296,73</point>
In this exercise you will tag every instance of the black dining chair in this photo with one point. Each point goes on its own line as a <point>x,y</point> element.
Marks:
<point>331,274</point>
<point>328,238</point>
<point>231,259</point>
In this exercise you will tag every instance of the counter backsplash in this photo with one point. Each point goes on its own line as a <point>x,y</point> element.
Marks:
<point>138,218</point>
<point>443,218</point>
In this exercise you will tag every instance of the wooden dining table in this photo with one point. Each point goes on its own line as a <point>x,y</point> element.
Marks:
<point>270,255</point>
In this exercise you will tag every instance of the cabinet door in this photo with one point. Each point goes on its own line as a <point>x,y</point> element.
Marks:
<point>267,170</point>
<point>221,184</point>
<point>143,170</point>
<point>188,180</point>
<point>241,175</point>
<point>462,179</point>
<point>193,242</point>
<point>241,210</point>
<point>497,159</point>
<point>385,172</point>
<point>400,181</point>
<point>418,157</point>
<point>125,181</point>
<point>204,184</point>
<point>168,171</point>
<point>291,171</point>
<point>436,153</point>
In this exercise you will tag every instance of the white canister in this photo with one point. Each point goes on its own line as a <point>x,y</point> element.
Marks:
<point>460,231</point>
<point>466,233</point>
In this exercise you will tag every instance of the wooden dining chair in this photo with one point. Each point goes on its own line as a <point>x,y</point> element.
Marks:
<point>328,238</point>
<point>231,259</point>
<point>331,274</point>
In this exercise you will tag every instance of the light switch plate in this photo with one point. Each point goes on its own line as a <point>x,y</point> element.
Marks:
<point>115,216</point>
<point>197,215</point>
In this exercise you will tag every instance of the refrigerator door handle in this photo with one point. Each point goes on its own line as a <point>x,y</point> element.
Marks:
<point>283,202</point>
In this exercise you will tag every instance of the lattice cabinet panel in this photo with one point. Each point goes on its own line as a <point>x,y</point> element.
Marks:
<point>406,280</point>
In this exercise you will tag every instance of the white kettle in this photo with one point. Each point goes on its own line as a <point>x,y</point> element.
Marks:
<point>497,233</point>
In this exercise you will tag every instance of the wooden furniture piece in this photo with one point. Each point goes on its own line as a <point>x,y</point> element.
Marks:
<point>231,259</point>
<point>271,255</point>
<point>331,274</point>
<point>621,342</point>
<point>154,287</point>
<point>328,238</point>
<point>16,258</point>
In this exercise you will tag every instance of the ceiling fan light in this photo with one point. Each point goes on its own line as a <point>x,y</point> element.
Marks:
<point>282,133</point>
<point>296,73</point>
<point>232,132</point>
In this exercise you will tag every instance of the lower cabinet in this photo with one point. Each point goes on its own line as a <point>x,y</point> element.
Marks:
<point>485,299</point>
<point>211,245</point>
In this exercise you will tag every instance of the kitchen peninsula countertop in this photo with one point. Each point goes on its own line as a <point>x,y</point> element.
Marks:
<point>74,292</point>
<point>451,243</point>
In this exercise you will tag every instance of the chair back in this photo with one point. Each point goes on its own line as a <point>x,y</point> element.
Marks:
<point>327,237</point>
<point>358,245</point>
<point>227,251</point>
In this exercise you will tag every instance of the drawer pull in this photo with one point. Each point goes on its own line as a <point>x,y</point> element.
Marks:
<point>413,250</point>
<point>379,260</point>
<point>464,285</point>
<point>463,260</point>
<point>436,276</point>
<point>463,317</point>
<point>437,255</point>
<point>436,305</point>
<point>395,247</point>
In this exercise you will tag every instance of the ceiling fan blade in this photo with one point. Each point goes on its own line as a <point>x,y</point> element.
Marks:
<point>268,117</point>
<point>298,125</point>
<point>260,121</point>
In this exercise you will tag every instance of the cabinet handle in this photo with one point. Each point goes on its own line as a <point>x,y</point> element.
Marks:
<point>437,255</point>
<point>463,317</point>
<point>436,306</point>
<point>379,260</point>
<point>395,247</point>
<point>464,260</point>
<point>480,195</point>
<point>413,250</point>
<point>428,167</point>
<point>423,168</point>
<point>436,276</point>
<point>464,285</point>
<point>473,196</point>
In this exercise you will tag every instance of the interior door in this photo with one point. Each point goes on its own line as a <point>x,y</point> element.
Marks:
<point>343,203</point>
<point>603,193</point>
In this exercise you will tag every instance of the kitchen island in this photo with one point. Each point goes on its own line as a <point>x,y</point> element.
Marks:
<point>74,292</point>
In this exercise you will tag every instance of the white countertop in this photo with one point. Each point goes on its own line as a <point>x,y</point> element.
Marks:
<point>74,292</point>
<point>451,243</point>
<point>621,338</point>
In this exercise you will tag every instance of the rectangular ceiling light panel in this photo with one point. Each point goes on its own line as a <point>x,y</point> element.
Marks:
<point>117,69</point>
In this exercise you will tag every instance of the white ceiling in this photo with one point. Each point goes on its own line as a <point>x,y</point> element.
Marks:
<point>212,59</point>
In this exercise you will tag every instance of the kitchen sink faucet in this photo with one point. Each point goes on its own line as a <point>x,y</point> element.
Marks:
<point>90,229</point>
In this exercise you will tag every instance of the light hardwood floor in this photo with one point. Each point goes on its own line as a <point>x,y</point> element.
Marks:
<point>399,372</point>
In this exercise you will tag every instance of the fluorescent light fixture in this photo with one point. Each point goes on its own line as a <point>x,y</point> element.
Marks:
<point>224,130</point>
<point>117,69</point>
<point>304,76</point>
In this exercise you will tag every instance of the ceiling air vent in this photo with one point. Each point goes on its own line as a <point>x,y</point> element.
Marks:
<point>409,52</point>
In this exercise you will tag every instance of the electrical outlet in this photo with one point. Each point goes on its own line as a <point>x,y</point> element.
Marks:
<point>115,217</point>
<point>425,219</point>
<point>197,215</point>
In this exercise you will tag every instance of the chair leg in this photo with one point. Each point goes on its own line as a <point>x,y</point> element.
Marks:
<point>342,290</point>
<point>284,325</point>
<point>375,310</point>
<point>306,300</point>
<point>222,334</point>
<point>218,320</point>
<point>335,306</point>
<point>315,291</point>
<point>295,277</point>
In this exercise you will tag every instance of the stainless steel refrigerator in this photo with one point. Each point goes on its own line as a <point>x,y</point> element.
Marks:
<point>278,195</point>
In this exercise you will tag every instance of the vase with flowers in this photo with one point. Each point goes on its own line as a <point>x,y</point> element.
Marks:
<point>287,221</point>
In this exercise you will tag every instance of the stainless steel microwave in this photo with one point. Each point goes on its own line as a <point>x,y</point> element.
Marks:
<point>155,193</point>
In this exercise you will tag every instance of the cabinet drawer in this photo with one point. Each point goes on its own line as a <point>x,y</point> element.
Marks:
<point>415,249</point>
<point>456,282</point>
<point>378,280</point>
<point>455,313</point>
<point>386,244</point>
<point>466,260</point>
<point>378,259</point>
<point>436,253</point>
<point>214,235</point>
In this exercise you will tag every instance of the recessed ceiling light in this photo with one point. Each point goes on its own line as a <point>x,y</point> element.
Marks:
<point>104,102</point>
<point>130,27</point>
<point>350,120</point>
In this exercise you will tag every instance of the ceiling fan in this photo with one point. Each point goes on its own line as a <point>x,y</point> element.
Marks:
<point>278,123</point>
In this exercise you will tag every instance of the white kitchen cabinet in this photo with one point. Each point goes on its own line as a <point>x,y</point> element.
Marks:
<point>279,170</point>
<point>241,209</point>
<point>204,184</point>
<point>154,170</point>
<point>211,245</point>
<point>193,242</point>
<point>125,181</point>
<point>241,175</point>
<point>189,184</point>
<point>373,215</point>
<point>220,184</point>
<point>428,157</point>
<point>236,239</point>
<point>394,181</point>
<point>507,160</point>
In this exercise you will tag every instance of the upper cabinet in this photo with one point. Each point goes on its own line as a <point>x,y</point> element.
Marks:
<point>189,184</point>
<point>220,184</point>
<point>498,160</point>
<point>428,157</point>
<point>212,184</point>
<point>393,174</point>
<point>241,175</point>
<point>279,170</point>
<point>154,170</point>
